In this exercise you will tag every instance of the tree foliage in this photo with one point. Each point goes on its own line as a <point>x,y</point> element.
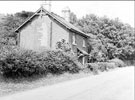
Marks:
<point>109,38</point>
<point>9,23</point>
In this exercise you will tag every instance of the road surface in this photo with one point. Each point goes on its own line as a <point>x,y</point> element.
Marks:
<point>113,85</point>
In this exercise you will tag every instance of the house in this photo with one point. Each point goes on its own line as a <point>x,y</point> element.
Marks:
<point>44,29</point>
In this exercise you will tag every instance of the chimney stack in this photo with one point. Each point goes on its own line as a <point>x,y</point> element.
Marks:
<point>66,14</point>
<point>46,5</point>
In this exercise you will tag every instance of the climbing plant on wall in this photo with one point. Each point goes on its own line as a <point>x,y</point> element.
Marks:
<point>64,46</point>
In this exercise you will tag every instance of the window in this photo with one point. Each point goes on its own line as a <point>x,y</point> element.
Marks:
<point>84,43</point>
<point>74,39</point>
<point>83,60</point>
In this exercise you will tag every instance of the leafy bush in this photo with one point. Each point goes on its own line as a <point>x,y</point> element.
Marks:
<point>93,67</point>
<point>129,62</point>
<point>6,49</point>
<point>104,66</point>
<point>25,63</point>
<point>118,62</point>
<point>100,66</point>
<point>19,64</point>
<point>61,61</point>
<point>64,46</point>
<point>111,65</point>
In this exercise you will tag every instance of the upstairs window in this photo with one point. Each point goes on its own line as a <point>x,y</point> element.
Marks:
<point>84,43</point>
<point>74,39</point>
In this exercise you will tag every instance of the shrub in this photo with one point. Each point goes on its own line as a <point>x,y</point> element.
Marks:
<point>118,62</point>
<point>104,66</point>
<point>25,63</point>
<point>6,49</point>
<point>64,46</point>
<point>100,66</point>
<point>60,61</point>
<point>20,64</point>
<point>129,62</point>
<point>111,65</point>
<point>93,67</point>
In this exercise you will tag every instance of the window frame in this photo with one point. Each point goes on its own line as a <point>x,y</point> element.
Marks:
<point>84,42</point>
<point>74,39</point>
<point>83,60</point>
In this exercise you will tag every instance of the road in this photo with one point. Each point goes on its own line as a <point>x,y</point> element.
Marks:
<point>113,85</point>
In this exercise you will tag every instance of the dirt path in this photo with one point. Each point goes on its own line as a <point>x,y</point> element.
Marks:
<point>114,85</point>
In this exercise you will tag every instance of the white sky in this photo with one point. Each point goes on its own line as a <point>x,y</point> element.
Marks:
<point>124,10</point>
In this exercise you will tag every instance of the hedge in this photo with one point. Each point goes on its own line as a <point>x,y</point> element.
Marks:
<point>26,63</point>
<point>105,66</point>
<point>118,62</point>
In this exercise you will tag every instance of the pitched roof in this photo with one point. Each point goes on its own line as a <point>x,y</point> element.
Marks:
<point>57,18</point>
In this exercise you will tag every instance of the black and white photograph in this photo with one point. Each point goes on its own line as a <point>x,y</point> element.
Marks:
<point>67,50</point>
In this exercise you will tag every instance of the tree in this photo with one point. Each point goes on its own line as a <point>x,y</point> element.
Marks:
<point>24,14</point>
<point>112,37</point>
<point>9,23</point>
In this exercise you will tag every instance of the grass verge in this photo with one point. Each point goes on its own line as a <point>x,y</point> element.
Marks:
<point>10,86</point>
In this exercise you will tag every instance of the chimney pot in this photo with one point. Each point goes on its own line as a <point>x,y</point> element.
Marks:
<point>66,14</point>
